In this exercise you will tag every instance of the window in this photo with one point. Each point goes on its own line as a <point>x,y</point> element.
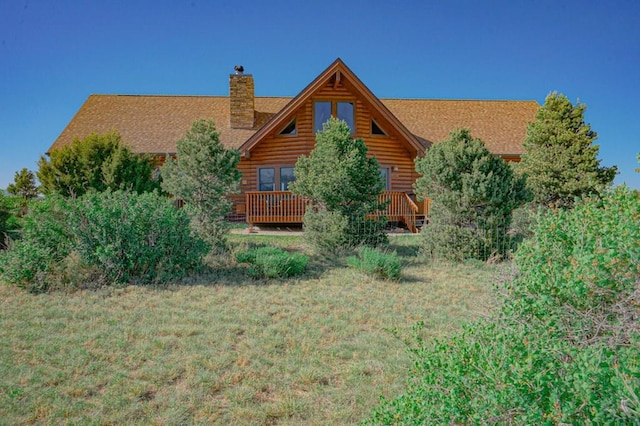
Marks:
<point>286,177</point>
<point>267,179</point>
<point>377,130</point>
<point>322,110</point>
<point>321,113</point>
<point>344,111</point>
<point>274,178</point>
<point>384,174</point>
<point>290,129</point>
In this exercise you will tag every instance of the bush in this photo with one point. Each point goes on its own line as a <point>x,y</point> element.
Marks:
<point>272,262</point>
<point>46,239</point>
<point>564,347</point>
<point>203,174</point>
<point>343,184</point>
<point>473,195</point>
<point>376,263</point>
<point>333,233</point>
<point>581,269</point>
<point>9,222</point>
<point>135,237</point>
<point>326,232</point>
<point>108,237</point>
<point>96,163</point>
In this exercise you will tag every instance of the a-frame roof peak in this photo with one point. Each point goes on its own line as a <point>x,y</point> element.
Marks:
<point>339,70</point>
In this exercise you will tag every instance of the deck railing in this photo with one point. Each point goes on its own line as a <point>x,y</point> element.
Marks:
<point>285,207</point>
<point>275,207</point>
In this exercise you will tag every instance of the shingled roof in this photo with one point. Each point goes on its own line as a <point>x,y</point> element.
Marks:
<point>153,124</point>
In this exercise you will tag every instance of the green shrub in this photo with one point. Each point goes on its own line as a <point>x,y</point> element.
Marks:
<point>451,242</point>
<point>326,232</point>
<point>272,262</point>
<point>376,263</point>
<point>332,233</point>
<point>135,237</point>
<point>9,223</point>
<point>473,194</point>
<point>46,239</point>
<point>565,345</point>
<point>107,237</point>
<point>343,185</point>
<point>585,263</point>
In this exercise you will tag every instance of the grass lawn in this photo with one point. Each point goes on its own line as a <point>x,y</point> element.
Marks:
<point>224,348</point>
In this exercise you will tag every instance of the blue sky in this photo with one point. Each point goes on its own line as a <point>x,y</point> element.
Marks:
<point>54,54</point>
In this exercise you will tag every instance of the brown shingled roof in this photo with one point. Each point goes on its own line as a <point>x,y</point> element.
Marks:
<point>500,124</point>
<point>153,124</point>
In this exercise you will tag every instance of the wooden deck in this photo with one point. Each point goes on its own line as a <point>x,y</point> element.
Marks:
<point>285,207</point>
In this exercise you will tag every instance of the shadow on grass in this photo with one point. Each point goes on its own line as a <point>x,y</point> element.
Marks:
<point>223,270</point>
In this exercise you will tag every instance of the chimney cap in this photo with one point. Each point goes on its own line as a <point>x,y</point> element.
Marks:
<point>239,69</point>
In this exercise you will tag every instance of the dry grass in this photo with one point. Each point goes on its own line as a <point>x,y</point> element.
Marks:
<point>224,348</point>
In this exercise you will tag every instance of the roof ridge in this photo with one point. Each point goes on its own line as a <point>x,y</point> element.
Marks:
<point>457,100</point>
<point>141,95</point>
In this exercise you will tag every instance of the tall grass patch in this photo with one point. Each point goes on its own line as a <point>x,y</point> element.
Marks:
<point>376,263</point>
<point>273,262</point>
<point>223,348</point>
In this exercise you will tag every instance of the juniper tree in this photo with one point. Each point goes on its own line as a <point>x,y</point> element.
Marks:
<point>344,186</point>
<point>560,159</point>
<point>202,175</point>
<point>97,162</point>
<point>473,195</point>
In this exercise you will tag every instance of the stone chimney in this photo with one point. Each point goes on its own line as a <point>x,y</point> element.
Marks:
<point>241,101</point>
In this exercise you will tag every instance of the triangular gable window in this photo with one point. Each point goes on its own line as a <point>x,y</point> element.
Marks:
<point>377,130</point>
<point>291,128</point>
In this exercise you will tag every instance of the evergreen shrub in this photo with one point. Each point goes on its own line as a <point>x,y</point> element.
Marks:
<point>135,237</point>
<point>46,239</point>
<point>107,237</point>
<point>564,348</point>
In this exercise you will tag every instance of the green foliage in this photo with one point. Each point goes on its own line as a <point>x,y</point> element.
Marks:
<point>96,162</point>
<point>586,262</point>
<point>560,159</point>
<point>333,233</point>
<point>110,237</point>
<point>202,175</point>
<point>24,185</point>
<point>131,237</point>
<point>326,232</point>
<point>342,183</point>
<point>46,239</point>
<point>564,347</point>
<point>9,218</point>
<point>273,262</point>
<point>473,195</point>
<point>376,263</point>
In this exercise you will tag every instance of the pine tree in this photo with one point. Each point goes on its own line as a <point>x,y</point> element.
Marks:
<point>343,185</point>
<point>473,195</point>
<point>24,185</point>
<point>202,175</point>
<point>560,159</point>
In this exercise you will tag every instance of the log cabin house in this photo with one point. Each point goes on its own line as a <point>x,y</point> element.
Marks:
<point>272,132</point>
